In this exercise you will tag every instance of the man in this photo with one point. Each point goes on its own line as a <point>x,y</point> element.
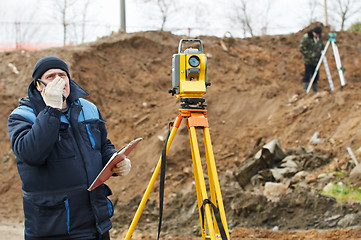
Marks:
<point>311,47</point>
<point>60,141</point>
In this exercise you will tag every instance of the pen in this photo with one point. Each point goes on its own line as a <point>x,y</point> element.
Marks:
<point>39,80</point>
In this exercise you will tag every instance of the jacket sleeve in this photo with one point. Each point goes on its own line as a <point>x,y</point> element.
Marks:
<point>305,47</point>
<point>107,148</point>
<point>32,142</point>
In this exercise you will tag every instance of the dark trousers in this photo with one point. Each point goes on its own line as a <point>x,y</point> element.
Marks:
<point>309,71</point>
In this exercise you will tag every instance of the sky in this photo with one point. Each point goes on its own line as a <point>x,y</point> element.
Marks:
<point>284,16</point>
<point>37,20</point>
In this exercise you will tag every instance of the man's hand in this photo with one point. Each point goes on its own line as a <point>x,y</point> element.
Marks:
<point>53,93</point>
<point>122,168</point>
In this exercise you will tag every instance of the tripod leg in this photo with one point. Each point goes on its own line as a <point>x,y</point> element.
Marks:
<point>200,185</point>
<point>198,189</point>
<point>215,189</point>
<point>152,181</point>
<point>317,67</point>
<point>338,64</point>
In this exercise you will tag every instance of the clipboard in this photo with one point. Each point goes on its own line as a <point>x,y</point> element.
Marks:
<point>106,172</point>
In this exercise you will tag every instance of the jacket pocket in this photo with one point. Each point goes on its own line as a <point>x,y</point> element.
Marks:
<point>63,149</point>
<point>103,208</point>
<point>46,215</point>
<point>92,132</point>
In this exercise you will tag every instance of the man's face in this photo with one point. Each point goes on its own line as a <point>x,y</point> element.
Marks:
<point>50,75</point>
<point>316,35</point>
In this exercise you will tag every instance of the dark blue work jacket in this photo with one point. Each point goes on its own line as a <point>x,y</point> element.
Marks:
<point>58,157</point>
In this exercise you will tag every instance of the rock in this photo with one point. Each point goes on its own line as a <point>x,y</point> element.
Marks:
<point>333,220</point>
<point>270,154</point>
<point>328,187</point>
<point>349,220</point>
<point>14,68</point>
<point>311,179</point>
<point>274,191</point>
<point>299,177</point>
<point>289,162</point>
<point>275,228</point>
<point>278,173</point>
<point>294,98</point>
<point>314,139</point>
<point>288,168</point>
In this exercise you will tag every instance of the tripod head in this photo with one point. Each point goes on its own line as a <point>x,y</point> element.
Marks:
<point>332,37</point>
<point>189,73</point>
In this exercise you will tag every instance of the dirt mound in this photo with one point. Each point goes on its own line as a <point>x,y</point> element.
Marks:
<point>256,96</point>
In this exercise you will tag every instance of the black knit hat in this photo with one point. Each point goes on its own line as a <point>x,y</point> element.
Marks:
<point>317,30</point>
<point>47,63</point>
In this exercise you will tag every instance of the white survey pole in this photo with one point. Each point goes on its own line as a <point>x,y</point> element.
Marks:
<point>328,73</point>
<point>354,159</point>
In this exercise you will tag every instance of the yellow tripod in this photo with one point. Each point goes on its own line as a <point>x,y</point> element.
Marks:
<point>196,119</point>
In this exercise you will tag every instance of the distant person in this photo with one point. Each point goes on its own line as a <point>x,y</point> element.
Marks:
<point>311,47</point>
<point>60,141</point>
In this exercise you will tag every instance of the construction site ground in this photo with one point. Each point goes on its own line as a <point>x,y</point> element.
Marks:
<point>256,96</point>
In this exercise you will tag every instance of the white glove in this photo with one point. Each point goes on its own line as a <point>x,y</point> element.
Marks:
<point>122,168</point>
<point>53,93</point>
